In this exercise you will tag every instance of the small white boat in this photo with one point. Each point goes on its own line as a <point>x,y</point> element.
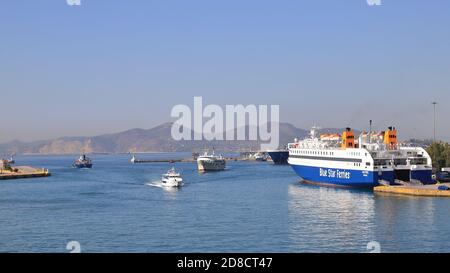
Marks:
<point>172,179</point>
<point>133,159</point>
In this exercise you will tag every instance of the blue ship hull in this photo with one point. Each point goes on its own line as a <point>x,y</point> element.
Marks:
<point>83,166</point>
<point>354,178</point>
<point>424,176</point>
<point>337,177</point>
<point>279,157</point>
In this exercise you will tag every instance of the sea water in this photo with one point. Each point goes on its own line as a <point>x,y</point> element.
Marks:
<point>250,207</point>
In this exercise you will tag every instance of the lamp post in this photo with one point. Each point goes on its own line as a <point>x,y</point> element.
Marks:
<point>434,133</point>
<point>434,114</point>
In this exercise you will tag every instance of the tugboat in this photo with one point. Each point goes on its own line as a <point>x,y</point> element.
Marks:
<point>83,162</point>
<point>172,179</point>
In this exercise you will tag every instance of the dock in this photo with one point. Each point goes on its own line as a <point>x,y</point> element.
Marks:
<point>140,161</point>
<point>415,190</point>
<point>24,172</point>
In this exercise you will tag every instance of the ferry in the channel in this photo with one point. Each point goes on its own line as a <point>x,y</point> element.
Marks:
<point>210,162</point>
<point>370,160</point>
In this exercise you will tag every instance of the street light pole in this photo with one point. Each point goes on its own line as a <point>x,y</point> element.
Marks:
<point>434,113</point>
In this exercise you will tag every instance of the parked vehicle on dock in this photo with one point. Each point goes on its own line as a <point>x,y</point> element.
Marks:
<point>443,177</point>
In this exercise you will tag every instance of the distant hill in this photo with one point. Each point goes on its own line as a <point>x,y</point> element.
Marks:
<point>157,139</point>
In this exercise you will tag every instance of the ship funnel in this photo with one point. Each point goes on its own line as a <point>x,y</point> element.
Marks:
<point>390,138</point>
<point>348,139</point>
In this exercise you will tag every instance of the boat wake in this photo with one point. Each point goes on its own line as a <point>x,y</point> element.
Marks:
<point>159,184</point>
<point>156,183</point>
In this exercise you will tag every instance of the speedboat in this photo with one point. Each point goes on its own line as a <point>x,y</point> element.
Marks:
<point>172,179</point>
<point>83,162</point>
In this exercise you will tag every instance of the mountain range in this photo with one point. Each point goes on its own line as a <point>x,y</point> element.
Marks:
<point>157,139</point>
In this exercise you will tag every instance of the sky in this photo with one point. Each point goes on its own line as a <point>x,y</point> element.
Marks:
<point>113,65</point>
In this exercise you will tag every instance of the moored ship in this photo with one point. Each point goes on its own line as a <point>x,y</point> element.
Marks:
<point>370,160</point>
<point>279,157</point>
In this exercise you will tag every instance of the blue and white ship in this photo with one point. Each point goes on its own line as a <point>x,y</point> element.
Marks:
<point>370,160</point>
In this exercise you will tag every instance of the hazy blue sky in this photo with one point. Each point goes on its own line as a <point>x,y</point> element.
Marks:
<point>112,65</point>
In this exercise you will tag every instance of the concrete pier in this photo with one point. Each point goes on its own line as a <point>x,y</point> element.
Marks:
<point>23,172</point>
<point>138,161</point>
<point>415,190</point>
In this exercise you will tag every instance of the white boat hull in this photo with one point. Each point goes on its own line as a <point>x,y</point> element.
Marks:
<point>205,165</point>
<point>171,182</point>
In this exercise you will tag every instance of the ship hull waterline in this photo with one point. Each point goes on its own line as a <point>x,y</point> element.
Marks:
<point>353,178</point>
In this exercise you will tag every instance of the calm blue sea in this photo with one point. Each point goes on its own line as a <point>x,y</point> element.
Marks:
<point>250,207</point>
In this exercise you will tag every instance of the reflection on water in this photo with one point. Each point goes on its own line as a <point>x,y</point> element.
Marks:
<point>330,220</point>
<point>412,224</point>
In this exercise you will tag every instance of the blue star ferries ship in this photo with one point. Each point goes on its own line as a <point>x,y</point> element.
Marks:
<point>370,160</point>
